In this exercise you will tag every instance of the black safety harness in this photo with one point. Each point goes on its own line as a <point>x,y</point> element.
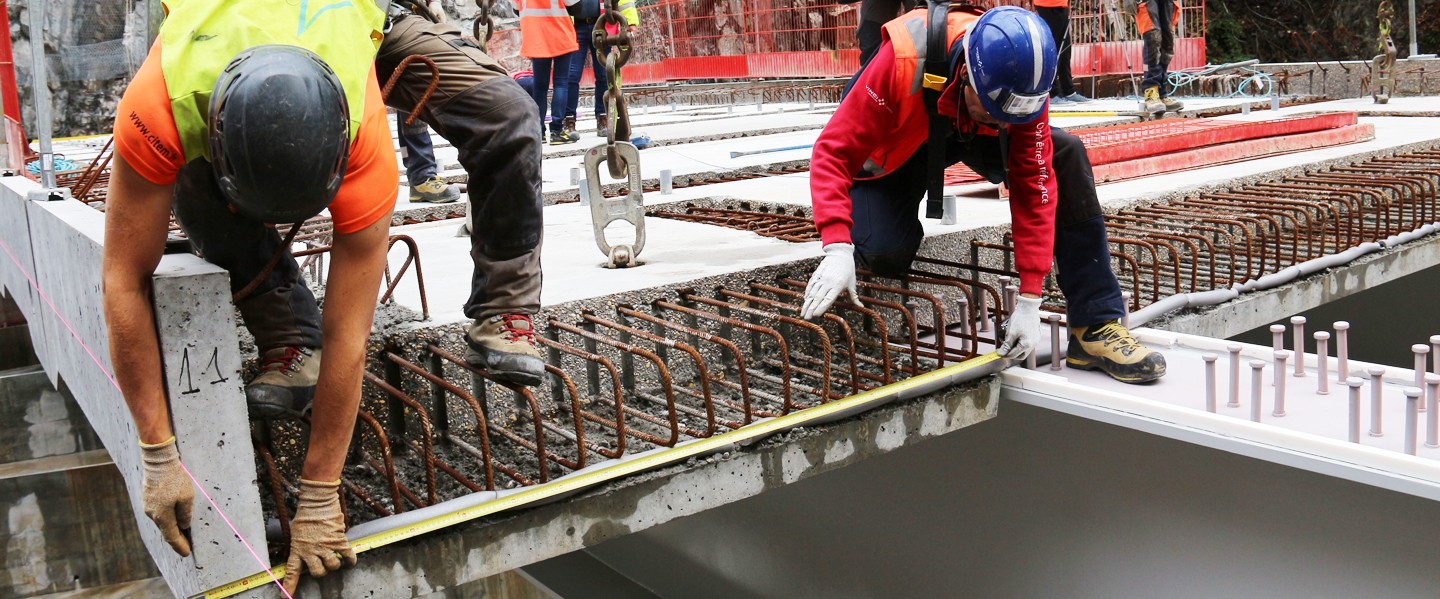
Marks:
<point>939,67</point>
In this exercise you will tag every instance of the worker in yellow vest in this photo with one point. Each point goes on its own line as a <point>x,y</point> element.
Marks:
<point>211,125</point>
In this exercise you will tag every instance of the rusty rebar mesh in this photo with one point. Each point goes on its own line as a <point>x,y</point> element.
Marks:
<point>789,223</point>
<point>1216,240</point>
<point>692,365</point>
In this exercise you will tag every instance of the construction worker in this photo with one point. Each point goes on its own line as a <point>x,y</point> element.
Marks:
<point>871,166</point>
<point>488,118</point>
<point>422,171</point>
<point>244,115</point>
<point>547,38</point>
<point>874,14</point>
<point>1155,19</point>
<point>587,13</point>
<point>1056,14</point>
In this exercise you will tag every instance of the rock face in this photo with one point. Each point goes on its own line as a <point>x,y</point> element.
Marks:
<point>92,47</point>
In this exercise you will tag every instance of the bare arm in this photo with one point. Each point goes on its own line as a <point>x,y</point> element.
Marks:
<point>136,221</point>
<point>357,261</point>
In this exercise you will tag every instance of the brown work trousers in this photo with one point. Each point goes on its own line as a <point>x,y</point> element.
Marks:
<point>491,121</point>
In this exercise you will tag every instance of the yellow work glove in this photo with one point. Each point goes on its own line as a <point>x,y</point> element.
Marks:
<point>317,533</point>
<point>167,494</point>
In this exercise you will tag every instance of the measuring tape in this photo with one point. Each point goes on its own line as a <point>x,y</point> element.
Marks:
<point>575,482</point>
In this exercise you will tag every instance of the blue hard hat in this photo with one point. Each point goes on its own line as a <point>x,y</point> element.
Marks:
<point>1011,60</point>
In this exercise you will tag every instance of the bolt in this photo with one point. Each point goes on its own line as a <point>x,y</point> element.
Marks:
<point>983,310</point>
<point>1342,350</point>
<point>1280,358</point>
<point>1256,367</point>
<point>1421,352</point>
<point>1376,399</point>
<point>1011,293</point>
<point>1210,381</point>
<point>1125,316</point>
<point>1432,395</point>
<point>1435,354</point>
<point>1234,349</point>
<point>1298,324</point>
<point>1412,417</point>
<point>1322,355</point>
<point>1355,383</point>
<point>1054,341</point>
<point>964,307</point>
<point>1277,337</point>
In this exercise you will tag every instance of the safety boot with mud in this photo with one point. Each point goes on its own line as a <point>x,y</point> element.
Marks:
<point>435,191</point>
<point>1153,104</point>
<point>1172,105</point>
<point>505,346</point>
<point>1110,347</point>
<point>286,383</point>
<point>563,137</point>
<point>602,125</point>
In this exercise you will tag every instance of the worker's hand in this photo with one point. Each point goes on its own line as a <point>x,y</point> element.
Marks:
<point>438,10</point>
<point>317,534</point>
<point>1023,331</point>
<point>835,275</point>
<point>167,493</point>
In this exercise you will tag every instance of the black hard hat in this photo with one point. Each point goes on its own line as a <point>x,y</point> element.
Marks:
<point>279,133</point>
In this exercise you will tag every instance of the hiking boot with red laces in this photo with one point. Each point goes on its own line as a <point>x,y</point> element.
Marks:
<point>505,346</point>
<point>286,383</point>
<point>1110,347</point>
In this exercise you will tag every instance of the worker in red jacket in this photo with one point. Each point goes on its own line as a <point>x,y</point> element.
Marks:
<point>869,170</point>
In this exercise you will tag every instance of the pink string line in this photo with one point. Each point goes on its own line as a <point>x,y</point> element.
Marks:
<point>101,365</point>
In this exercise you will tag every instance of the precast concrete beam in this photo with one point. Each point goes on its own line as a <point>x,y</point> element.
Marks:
<point>435,562</point>
<point>200,354</point>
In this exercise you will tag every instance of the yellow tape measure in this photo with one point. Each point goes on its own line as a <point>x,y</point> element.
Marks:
<point>575,482</point>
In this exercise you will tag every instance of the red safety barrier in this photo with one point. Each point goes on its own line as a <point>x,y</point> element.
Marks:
<point>687,40</point>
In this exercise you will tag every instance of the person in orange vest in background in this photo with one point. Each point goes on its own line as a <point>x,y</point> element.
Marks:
<point>872,165</point>
<point>1056,14</point>
<point>547,38</point>
<point>587,14</point>
<point>1155,19</point>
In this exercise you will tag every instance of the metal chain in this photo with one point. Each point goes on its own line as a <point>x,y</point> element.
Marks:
<point>1384,61</point>
<point>483,20</point>
<point>616,50</point>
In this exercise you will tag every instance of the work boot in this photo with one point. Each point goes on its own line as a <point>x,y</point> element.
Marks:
<point>1153,103</point>
<point>1110,347</point>
<point>1059,100</point>
<point>434,190</point>
<point>568,126</point>
<point>505,346</point>
<point>602,125</point>
<point>286,383</point>
<point>562,137</point>
<point>1172,105</point>
<point>1077,98</point>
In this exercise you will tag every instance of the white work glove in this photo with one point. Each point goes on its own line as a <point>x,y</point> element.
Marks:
<point>835,275</point>
<point>317,533</point>
<point>1023,331</point>
<point>166,493</point>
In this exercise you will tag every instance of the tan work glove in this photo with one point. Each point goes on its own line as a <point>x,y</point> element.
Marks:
<point>317,533</point>
<point>167,493</point>
<point>438,10</point>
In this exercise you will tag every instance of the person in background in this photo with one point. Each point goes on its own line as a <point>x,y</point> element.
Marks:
<point>1155,19</point>
<point>587,13</point>
<point>421,168</point>
<point>547,38</point>
<point>1056,14</point>
<point>874,14</point>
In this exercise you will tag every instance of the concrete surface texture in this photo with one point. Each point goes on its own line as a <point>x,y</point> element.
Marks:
<point>68,325</point>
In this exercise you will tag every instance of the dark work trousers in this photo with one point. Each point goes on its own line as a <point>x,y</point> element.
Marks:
<point>419,151</point>
<point>1059,21</point>
<point>1159,44</point>
<point>282,310</point>
<point>887,231</point>
<point>558,68</point>
<point>577,68</point>
<point>869,38</point>
<point>490,121</point>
